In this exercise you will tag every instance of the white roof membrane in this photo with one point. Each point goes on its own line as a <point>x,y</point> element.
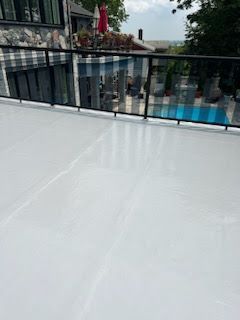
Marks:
<point>111,219</point>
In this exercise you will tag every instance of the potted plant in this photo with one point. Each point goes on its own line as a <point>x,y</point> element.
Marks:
<point>198,94</point>
<point>168,93</point>
<point>119,41</point>
<point>107,40</point>
<point>84,37</point>
<point>129,42</point>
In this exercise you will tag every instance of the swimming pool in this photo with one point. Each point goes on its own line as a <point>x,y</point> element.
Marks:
<point>191,113</point>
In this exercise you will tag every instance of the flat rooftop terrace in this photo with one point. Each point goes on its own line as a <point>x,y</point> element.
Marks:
<point>104,218</point>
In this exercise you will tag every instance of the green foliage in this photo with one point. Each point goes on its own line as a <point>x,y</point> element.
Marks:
<point>177,49</point>
<point>84,34</point>
<point>170,71</point>
<point>117,41</point>
<point>116,11</point>
<point>214,28</point>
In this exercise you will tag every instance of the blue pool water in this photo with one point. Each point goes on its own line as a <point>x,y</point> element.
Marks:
<point>192,113</point>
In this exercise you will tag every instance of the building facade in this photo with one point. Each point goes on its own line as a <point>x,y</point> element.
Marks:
<point>58,77</point>
<point>80,17</point>
<point>35,23</point>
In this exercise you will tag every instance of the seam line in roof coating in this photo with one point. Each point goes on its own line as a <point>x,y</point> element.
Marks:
<point>12,215</point>
<point>128,206</point>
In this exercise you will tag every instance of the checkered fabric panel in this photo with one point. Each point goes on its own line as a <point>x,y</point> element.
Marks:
<point>59,58</point>
<point>16,60</point>
<point>101,66</point>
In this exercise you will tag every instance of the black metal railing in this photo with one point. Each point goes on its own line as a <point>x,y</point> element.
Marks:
<point>199,89</point>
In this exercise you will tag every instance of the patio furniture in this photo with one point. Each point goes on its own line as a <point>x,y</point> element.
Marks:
<point>159,90</point>
<point>136,86</point>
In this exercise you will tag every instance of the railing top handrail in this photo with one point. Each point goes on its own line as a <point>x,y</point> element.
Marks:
<point>126,54</point>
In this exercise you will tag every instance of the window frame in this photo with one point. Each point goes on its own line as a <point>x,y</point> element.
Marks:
<point>3,9</point>
<point>18,10</point>
<point>43,22</point>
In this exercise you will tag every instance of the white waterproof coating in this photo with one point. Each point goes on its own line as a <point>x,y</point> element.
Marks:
<point>104,219</point>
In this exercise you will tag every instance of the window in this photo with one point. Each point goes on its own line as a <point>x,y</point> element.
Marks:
<point>1,14</point>
<point>24,11</point>
<point>39,11</point>
<point>55,11</point>
<point>9,9</point>
<point>36,17</point>
<point>52,12</point>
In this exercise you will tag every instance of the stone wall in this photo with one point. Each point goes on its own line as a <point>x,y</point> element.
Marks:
<point>20,34</point>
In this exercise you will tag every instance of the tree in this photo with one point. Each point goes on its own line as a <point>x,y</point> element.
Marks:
<point>116,11</point>
<point>214,28</point>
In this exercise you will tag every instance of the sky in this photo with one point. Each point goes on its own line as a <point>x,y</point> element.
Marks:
<point>156,19</point>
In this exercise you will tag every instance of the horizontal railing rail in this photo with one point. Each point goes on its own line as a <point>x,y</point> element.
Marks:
<point>125,53</point>
<point>183,88</point>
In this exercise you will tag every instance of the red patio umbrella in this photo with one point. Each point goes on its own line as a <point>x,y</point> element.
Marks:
<point>103,21</point>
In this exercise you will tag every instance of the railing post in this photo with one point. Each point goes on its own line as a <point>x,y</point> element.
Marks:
<point>17,88</point>
<point>148,87</point>
<point>75,75</point>
<point>51,77</point>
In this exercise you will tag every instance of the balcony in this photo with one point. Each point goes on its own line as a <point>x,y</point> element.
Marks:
<point>180,88</point>
<point>116,218</point>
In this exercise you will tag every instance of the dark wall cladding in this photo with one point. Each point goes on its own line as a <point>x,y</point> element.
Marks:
<point>49,84</point>
<point>48,30</point>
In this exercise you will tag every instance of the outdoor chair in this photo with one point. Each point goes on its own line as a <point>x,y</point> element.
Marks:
<point>136,86</point>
